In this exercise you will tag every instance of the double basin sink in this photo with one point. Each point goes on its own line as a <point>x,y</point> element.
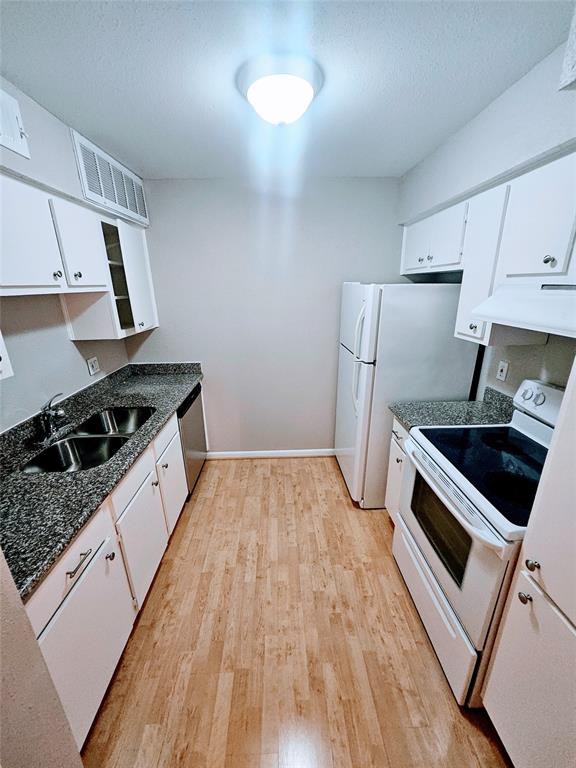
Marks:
<point>92,443</point>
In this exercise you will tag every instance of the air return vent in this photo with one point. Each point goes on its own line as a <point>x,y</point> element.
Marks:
<point>106,182</point>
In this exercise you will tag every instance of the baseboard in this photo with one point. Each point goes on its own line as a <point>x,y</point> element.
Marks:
<point>296,454</point>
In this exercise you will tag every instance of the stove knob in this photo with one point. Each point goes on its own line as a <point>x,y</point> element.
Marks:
<point>527,394</point>
<point>539,398</point>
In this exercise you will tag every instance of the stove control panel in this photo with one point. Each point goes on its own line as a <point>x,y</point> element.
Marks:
<point>539,399</point>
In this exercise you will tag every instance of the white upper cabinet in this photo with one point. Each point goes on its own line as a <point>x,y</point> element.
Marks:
<point>81,242</point>
<point>128,305</point>
<point>138,277</point>
<point>540,224</point>
<point>486,214</point>
<point>30,260</point>
<point>435,244</point>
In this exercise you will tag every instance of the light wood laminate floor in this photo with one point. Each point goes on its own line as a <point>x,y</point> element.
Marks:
<point>279,634</point>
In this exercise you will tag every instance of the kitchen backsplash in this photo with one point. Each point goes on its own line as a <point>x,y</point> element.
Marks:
<point>549,362</point>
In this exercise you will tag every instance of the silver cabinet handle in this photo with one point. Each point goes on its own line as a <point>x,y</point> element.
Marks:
<point>164,466</point>
<point>110,556</point>
<point>77,275</point>
<point>398,461</point>
<point>549,260</point>
<point>57,274</point>
<point>524,598</point>
<point>429,257</point>
<point>420,259</point>
<point>155,483</point>
<point>83,556</point>
<point>532,565</point>
<point>473,327</point>
<point>141,325</point>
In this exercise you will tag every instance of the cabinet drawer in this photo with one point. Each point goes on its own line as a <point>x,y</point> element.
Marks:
<point>128,487</point>
<point>85,638</point>
<point>453,648</point>
<point>165,436</point>
<point>44,602</point>
<point>399,432</point>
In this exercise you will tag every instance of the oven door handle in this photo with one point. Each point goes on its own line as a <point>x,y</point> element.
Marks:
<point>484,537</point>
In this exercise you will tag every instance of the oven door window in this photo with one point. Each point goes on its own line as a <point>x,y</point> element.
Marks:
<point>450,540</point>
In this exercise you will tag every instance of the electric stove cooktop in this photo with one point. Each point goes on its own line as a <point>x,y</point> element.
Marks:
<point>502,463</point>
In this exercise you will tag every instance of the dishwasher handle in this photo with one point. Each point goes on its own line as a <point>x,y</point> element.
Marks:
<point>190,399</point>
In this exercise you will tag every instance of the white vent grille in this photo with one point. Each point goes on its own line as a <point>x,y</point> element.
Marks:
<point>106,182</point>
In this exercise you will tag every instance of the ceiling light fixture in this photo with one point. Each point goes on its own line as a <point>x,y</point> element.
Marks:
<point>280,88</point>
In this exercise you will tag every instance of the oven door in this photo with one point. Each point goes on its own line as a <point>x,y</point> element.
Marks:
<point>467,557</point>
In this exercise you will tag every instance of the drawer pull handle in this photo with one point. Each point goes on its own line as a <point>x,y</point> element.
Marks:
<point>473,327</point>
<point>77,275</point>
<point>155,483</point>
<point>420,259</point>
<point>398,461</point>
<point>57,275</point>
<point>549,260</point>
<point>165,466</point>
<point>83,557</point>
<point>110,556</point>
<point>524,598</point>
<point>532,565</point>
<point>429,257</point>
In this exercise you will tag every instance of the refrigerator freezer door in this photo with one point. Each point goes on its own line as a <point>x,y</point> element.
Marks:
<point>359,319</point>
<point>355,381</point>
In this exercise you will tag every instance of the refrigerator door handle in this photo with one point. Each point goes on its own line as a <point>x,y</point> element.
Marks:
<point>355,380</point>
<point>357,332</point>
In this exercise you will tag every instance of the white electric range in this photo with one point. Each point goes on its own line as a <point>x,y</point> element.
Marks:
<point>466,497</point>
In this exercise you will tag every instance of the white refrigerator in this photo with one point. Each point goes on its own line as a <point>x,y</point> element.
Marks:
<point>396,344</point>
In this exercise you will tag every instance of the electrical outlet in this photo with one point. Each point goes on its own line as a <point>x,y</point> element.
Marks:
<point>502,371</point>
<point>93,365</point>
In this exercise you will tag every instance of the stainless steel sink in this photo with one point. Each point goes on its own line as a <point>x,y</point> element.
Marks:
<point>75,453</point>
<point>115,421</point>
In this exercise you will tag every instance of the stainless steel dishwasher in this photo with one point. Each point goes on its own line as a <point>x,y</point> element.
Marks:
<point>192,434</point>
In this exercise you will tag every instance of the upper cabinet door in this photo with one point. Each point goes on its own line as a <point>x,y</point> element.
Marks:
<point>416,246</point>
<point>138,277</point>
<point>538,235</point>
<point>81,243</point>
<point>483,229</point>
<point>29,253</point>
<point>435,243</point>
<point>448,236</point>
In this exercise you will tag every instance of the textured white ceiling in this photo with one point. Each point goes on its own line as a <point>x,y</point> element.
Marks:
<point>153,82</point>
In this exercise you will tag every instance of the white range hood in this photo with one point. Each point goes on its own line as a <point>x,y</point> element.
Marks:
<point>536,307</point>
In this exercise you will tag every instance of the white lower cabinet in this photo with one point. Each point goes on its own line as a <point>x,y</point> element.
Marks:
<point>530,693</point>
<point>84,640</point>
<point>173,485</point>
<point>143,536</point>
<point>394,481</point>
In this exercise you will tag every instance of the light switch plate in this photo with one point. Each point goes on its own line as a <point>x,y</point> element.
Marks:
<point>502,371</point>
<point>93,365</point>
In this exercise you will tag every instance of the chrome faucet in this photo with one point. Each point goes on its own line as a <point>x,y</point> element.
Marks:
<point>50,419</point>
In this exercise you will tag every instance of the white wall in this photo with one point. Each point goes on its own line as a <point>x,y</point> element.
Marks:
<point>249,284</point>
<point>44,359</point>
<point>549,362</point>
<point>529,119</point>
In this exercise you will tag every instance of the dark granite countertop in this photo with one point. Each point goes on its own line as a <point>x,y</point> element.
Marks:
<point>496,408</point>
<point>41,513</point>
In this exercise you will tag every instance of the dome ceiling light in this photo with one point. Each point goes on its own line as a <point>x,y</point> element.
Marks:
<point>280,88</point>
